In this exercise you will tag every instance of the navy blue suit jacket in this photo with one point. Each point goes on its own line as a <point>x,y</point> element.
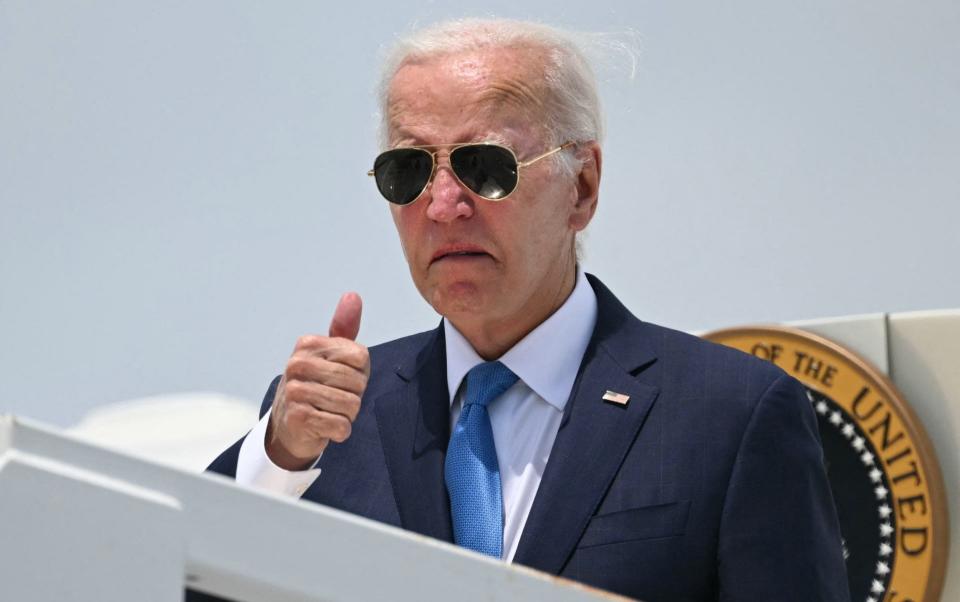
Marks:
<point>708,485</point>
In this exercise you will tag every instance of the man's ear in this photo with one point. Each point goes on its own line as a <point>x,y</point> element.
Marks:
<point>587,184</point>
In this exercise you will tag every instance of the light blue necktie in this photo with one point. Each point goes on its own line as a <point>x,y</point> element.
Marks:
<point>471,470</point>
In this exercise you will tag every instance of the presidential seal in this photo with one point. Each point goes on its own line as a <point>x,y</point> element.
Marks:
<point>885,478</point>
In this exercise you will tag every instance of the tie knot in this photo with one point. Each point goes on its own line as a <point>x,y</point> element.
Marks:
<point>487,381</point>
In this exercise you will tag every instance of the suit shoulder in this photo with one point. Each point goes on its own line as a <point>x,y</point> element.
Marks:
<point>691,362</point>
<point>677,345</point>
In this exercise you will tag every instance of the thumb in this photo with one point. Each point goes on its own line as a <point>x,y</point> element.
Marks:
<point>346,318</point>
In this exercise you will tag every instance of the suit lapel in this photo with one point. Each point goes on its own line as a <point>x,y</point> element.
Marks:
<point>414,425</point>
<point>593,439</point>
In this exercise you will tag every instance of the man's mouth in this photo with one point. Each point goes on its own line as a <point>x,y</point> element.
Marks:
<point>459,252</point>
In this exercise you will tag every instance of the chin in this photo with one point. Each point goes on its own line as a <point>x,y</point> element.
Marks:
<point>457,299</point>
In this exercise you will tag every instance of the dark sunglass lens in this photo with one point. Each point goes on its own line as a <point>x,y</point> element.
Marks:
<point>402,174</point>
<point>488,170</point>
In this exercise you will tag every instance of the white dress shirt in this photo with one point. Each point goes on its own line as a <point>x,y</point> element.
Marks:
<point>525,419</point>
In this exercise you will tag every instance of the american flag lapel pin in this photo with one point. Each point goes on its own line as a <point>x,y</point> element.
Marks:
<point>616,398</point>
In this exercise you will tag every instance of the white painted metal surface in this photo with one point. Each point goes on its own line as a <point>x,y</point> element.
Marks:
<point>925,365</point>
<point>83,523</point>
<point>72,534</point>
<point>865,334</point>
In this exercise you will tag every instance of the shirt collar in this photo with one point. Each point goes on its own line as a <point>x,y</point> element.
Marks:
<point>547,359</point>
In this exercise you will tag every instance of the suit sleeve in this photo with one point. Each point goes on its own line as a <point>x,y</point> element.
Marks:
<point>779,536</point>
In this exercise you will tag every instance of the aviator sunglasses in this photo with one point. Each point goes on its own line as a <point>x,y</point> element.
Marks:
<point>491,171</point>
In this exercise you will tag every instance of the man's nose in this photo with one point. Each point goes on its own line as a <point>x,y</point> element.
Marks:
<point>447,197</point>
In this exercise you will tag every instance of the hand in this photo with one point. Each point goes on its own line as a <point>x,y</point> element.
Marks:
<point>319,394</point>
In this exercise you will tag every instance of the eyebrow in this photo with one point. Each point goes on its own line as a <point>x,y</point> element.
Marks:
<point>402,134</point>
<point>493,139</point>
<point>490,138</point>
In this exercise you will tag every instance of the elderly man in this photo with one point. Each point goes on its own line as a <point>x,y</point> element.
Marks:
<point>541,422</point>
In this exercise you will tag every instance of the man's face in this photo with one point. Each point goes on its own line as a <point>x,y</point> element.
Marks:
<point>478,261</point>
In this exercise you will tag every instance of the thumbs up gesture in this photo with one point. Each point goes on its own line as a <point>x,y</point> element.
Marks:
<point>319,394</point>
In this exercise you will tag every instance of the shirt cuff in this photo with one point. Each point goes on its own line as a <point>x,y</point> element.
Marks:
<point>255,469</point>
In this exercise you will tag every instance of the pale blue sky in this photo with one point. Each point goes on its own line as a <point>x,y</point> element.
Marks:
<point>183,188</point>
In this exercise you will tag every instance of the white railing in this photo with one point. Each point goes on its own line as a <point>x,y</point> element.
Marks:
<point>82,523</point>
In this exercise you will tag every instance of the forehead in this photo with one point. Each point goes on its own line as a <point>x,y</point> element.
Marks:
<point>465,96</point>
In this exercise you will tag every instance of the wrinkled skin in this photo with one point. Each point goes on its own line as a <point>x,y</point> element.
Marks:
<point>494,269</point>
<point>522,264</point>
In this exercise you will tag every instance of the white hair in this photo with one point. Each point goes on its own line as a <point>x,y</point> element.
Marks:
<point>573,111</point>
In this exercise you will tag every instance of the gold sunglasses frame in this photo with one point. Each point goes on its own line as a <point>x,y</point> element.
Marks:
<point>434,149</point>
